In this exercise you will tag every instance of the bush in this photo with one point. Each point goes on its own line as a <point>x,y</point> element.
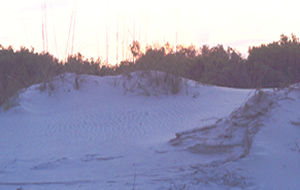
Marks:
<point>77,82</point>
<point>152,83</point>
<point>22,68</point>
<point>10,102</point>
<point>279,60</point>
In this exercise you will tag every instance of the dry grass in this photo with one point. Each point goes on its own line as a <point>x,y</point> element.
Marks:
<point>295,123</point>
<point>152,83</point>
<point>11,102</point>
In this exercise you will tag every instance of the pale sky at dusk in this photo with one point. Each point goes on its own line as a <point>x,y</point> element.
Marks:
<point>234,23</point>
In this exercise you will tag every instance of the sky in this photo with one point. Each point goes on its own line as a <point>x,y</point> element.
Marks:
<point>105,29</point>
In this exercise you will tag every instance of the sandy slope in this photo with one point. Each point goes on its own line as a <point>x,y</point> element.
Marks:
<point>257,145</point>
<point>104,137</point>
<point>273,162</point>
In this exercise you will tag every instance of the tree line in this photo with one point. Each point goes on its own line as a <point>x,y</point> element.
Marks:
<point>267,66</point>
<point>272,65</point>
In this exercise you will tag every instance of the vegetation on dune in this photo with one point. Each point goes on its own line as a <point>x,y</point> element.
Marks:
<point>273,65</point>
<point>270,65</point>
<point>22,68</point>
<point>276,64</point>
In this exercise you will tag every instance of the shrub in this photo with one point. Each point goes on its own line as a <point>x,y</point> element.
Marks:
<point>10,102</point>
<point>151,83</point>
<point>77,82</point>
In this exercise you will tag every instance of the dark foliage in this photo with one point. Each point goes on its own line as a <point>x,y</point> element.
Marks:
<point>273,65</point>
<point>277,62</point>
<point>22,68</point>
